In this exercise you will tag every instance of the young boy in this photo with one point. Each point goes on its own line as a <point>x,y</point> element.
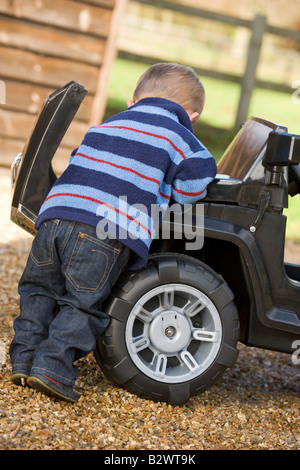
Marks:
<point>87,232</point>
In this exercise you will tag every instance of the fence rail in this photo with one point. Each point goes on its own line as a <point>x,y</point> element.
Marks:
<point>247,80</point>
<point>221,17</point>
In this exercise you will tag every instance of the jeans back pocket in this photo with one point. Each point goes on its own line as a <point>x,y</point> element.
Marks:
<point>90,263</point>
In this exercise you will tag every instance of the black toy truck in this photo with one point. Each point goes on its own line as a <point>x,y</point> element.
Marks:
<point>175,324</point>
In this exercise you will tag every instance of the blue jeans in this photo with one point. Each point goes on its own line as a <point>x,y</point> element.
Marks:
<point>69,274</point>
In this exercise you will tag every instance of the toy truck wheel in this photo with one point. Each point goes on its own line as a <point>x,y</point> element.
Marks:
<point>173,332</point>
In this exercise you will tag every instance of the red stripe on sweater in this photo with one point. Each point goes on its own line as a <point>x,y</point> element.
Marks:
<point>147,133</point>
<point>126,169</point>
<point>185,193</point>
<point>103,203</point>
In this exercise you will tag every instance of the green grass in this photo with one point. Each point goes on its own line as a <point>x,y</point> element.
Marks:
<point>293,219</point>
<point>122,82</point>
<point>215,126</point>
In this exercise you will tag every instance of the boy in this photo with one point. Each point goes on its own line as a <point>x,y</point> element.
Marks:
<point>87,232</point>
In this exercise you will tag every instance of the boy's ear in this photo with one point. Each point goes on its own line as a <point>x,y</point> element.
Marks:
<point>194,117</point>
<point>129,103</point>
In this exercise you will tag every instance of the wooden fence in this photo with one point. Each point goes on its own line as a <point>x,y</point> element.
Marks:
<point>44,45</point>
<point>248,80</point>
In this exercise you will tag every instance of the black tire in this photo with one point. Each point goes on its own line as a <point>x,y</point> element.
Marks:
<point>173,332</point>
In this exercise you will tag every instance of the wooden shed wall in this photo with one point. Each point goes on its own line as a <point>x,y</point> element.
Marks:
<point>45,44</point>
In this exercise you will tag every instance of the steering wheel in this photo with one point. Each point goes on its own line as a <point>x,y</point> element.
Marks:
<point>294,180</point>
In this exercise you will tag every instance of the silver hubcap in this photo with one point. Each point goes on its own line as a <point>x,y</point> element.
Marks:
<point>173,333</point>
<point>169,332</point>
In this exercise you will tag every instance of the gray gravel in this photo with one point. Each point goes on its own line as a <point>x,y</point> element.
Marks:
<point>255,405</point>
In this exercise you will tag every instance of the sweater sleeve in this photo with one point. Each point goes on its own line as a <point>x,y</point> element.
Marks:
<point>192,177</point>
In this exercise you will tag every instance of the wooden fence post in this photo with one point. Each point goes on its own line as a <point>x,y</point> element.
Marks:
<point>99,102</point>
<point>249,78</point>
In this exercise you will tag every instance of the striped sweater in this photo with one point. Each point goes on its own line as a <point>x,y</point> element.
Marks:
<point>135,161</point>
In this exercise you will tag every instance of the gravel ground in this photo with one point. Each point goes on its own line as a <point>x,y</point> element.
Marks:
<point>254,407</point>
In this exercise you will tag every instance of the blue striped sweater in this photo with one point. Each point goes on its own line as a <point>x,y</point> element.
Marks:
<point>135,161</point>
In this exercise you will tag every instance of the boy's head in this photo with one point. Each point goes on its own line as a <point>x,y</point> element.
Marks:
<point>173,82</point>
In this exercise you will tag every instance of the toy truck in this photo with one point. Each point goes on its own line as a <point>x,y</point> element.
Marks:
<point>175,324</point>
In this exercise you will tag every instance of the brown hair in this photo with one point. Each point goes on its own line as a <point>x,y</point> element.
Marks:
<point>174,82</point>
